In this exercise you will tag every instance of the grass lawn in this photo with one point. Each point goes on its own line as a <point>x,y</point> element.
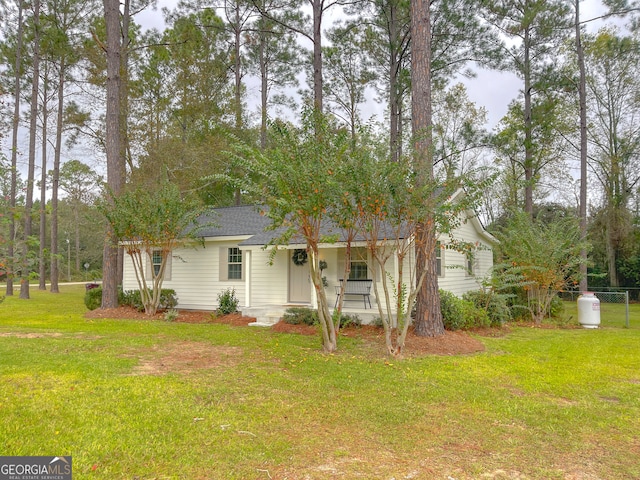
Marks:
<point>157,400</point>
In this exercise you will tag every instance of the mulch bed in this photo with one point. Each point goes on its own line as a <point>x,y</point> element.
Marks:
<point>451,343</point>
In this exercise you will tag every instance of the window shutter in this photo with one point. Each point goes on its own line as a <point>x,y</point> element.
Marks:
<point>223,271</point>
<point>167,268</point>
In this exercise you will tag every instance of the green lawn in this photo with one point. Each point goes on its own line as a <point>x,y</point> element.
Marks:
<point>156,400</point>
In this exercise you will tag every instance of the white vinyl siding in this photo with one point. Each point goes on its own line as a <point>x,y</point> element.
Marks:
<point>269,282</point>
<point>456,278</point>
<point>195,276</point>
<point>200,273</point>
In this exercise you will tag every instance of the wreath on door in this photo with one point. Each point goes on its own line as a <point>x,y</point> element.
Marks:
<point>299,256</point>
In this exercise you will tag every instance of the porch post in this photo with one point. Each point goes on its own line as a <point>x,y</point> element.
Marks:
<point>247,280</point>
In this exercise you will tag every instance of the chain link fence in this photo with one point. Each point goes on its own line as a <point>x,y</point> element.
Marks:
<point>613,304</point>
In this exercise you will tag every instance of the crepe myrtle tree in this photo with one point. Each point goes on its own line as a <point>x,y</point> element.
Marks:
<point>147,220</point>
<point>297,178</point>
<point>390,209</point>
<point>540,258</point>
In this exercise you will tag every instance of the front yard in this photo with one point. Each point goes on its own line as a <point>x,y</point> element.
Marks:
<point>157,400</point>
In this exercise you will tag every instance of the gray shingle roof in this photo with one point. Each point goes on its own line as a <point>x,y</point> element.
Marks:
<point>247,220</point>
<point>233,222</point>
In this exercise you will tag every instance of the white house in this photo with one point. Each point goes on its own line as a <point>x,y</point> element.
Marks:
<point>233,255</point>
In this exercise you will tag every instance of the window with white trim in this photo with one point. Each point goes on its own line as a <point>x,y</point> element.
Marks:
<point>156,261</point>
<point>439,258</point>
<point>359,269</point>
<point>234,264</point>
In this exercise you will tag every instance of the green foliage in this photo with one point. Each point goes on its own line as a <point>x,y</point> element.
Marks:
<point>300,316</point>
<point>78,180</point>
<point>556,307</point>
<point>149,219</point>
<point>460,314</point>
<point>227,302</point>
<point>93,298</point>
<point>452,314</point>
<point>473,316</point>
<point>494,304</point>
<point>299,178</point>
<point>168,299</point>
<point>171,315</point>
<point>132,298</point>
<point>151,216</point>
<point>377,322</point>
<point>538,258</point>
<point>307,316</point>
<point>296,176</point>
<point>350,320</point>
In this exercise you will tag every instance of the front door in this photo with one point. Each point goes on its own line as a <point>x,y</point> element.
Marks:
<point>299,283</point>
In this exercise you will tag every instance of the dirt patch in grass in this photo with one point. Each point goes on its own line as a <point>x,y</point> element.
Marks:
<point>185,357</point>
<point>30,335</point>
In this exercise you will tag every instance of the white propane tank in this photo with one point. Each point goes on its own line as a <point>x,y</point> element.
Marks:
<point>589,310</point>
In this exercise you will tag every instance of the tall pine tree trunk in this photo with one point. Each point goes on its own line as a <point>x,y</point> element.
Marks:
<point>582,98</point>
<point>42,264</point>
<point>33,125</point>
<point>55,181</point>
<point>395,139</point>
<point>115,178</point>
<point>264,98</point>
<point>317,54</point>
<point>528,126</point>
<point>237,32</point>
<point>428,320</point>
<point>76,218</point>
<point>14,158</point>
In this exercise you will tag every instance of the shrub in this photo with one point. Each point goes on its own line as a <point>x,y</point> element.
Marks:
<point>306,316</point>
<point>227,302</point>
<point>347,320</point>
<point>451,309</point>
<point>473,316</point>
<point>168,299</point>
<point>300,316</point>
<point>376,322</point>
<point>494,304</point>
<point>557,306</point>
<point>132,298</point>
<point>171,315</point>
<point>459,314</point>
<point>93,298</point>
